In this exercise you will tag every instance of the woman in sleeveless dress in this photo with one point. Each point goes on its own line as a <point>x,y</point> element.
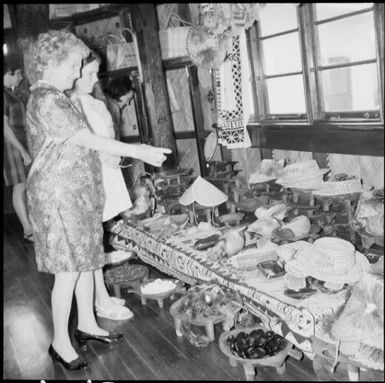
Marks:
<point>117,198</point>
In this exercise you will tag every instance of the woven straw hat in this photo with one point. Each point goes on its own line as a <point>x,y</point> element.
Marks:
<point>332,188</point>
<point>268,170</point>
<point>305,174</point>
<point>330,259</point>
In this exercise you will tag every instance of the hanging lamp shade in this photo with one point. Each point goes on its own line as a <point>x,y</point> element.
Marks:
<point>204,193</point>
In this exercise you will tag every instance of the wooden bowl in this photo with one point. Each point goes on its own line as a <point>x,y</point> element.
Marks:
<point>274,361</point>
<point>160,295</point>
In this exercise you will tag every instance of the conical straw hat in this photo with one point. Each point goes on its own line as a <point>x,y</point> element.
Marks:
<point>204,193</point>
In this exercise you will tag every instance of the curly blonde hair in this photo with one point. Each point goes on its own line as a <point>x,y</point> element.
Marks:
<point>53,45</point>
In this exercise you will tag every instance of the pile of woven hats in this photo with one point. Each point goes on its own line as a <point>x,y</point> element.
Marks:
<point>331,260</point>
<point>302,175</point>
<point>268,170</point>
<point>340,184</point>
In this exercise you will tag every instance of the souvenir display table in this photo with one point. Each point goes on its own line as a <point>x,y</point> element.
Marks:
<point>298,282</point>
<point>297,320</point>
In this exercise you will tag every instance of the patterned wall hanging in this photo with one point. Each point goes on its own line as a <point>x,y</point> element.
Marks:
<point>230,92</point>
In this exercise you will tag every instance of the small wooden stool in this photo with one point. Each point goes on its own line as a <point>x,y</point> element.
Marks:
<point>158,297</point>
<point>208,323</point>
<point>202,210</point>
<point>126,275</point>
<point>326,351</point>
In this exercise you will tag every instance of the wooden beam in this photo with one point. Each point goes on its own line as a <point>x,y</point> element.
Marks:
<point>320,139</point>
<point>146,27</point>
<point>196,103</point>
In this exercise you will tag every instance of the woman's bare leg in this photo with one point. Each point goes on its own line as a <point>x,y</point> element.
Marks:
<point>84,292</point>
<point>20,206</point>
<point>61,300</point>
<point>102,298</point>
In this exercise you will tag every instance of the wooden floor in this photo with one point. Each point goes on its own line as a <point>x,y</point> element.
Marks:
<point>150,351</point>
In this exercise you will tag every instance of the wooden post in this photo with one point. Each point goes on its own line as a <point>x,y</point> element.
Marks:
<point>145,23</point>
<point>198,116</point>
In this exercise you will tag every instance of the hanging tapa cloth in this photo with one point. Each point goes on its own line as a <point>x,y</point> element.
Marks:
<point>231,97</point>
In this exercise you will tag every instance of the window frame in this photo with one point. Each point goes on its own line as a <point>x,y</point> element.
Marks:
<point>351,135</point>
<point>360,116</point>
<point>262,77</point>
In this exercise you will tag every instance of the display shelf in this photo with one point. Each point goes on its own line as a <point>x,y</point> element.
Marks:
<point>117,72</point>
<point>103,12</point>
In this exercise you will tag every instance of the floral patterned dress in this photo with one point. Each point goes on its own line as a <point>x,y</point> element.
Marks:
<point>64,187</point>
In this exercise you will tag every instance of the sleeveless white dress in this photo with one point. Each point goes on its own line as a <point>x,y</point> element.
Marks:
<point>117,198</point>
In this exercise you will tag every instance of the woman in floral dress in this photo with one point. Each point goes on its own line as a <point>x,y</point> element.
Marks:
<point>64,191</point>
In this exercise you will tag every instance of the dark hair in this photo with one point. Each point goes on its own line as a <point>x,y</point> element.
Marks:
<point>119,86</point>
<point>93,56</point>
<point>12,64</point>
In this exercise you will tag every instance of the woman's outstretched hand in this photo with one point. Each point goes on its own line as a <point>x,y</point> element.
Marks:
<point>153,155</point>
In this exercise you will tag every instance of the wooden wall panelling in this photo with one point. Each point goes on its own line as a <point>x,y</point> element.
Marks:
<point>184,11</point>
<point>155,89</point>
<point>322,159</point>
<point>31,19</point>
<point>321,139</point>
<point>266,154</point>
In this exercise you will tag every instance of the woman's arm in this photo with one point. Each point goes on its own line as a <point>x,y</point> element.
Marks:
<point>10,136</point>
<point>146,153</point>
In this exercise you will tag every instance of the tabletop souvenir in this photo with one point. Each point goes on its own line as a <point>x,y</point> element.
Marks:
<point>302,175</point>
<point>329,259</point>
<point>255,347</point>
<point>295,230</point>
<point>339,185</point>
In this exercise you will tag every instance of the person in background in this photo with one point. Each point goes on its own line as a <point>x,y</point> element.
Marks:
<point>119,94</point>
<point>65,193</point>
<point>16,156</point>
<point>117,199</point>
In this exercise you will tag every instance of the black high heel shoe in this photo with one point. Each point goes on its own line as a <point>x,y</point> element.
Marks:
<point>76,364</point>
<point>82,337</point>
